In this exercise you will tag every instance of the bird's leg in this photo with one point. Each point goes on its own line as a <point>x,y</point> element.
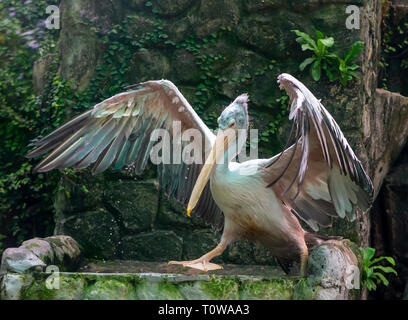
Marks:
<point>204,263</point>
<point>304,254</point>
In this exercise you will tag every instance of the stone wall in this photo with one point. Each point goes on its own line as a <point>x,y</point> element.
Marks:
<point>119,215</point>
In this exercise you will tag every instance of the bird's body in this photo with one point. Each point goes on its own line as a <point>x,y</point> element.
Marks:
<point>253,212</point>
<point>251,209</point>
<point>315,179</point>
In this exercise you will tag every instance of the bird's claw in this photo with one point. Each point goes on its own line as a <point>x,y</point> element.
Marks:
<point>202,265</point>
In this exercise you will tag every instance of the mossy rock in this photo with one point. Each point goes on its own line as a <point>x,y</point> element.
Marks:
<point>110,290</point>
<point>147,290</point>
<point>66,287</point>
<point>225,288</point>
<point>279,289</point>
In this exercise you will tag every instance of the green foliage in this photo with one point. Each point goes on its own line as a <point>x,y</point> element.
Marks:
<point>393,62</point>
<point>371,275</point>
<point>321,58</point>
<point>335,67</point>
<point>25,198</point>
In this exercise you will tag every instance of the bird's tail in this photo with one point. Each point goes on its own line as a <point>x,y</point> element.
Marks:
<point>313,240</point>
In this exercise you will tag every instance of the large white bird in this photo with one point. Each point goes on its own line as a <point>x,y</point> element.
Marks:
<point>315,179</point>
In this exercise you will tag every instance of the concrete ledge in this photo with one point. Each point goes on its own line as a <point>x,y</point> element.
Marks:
<point>148,286</point>
<point>333,272</point>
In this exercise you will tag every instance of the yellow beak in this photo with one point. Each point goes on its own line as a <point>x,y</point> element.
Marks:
<point>223,139</point>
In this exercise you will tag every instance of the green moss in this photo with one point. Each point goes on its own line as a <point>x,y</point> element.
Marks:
<point>110,290</point>
<point>169,289</point>
<point>71,287</point>
<point>149,290</point>
<point>276,289</point>
<point>305,290</point>
<point>223,288</point>
<point>94,286</point>
<point>32,246</point>
<point>355,249</point>
<point>38,292</point>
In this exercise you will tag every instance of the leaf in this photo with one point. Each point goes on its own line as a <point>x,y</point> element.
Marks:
<point>353,74</point>
<point>307,46</point>
<point>386,269</point>
<point>306,62</point>
<point>353,67</point>
<point>342,66</point>
<point>371,285</point>
<point>316,70</point>
<point>319,34</point>
<point>390,260</point>
<point>327,42</point>
<point>354,51</point>
<point>381,278</point>
<point>369,253</point>
<point>305,37</point>
<point>331,75</point>
<point>375,260</point>
<point>332,56</point>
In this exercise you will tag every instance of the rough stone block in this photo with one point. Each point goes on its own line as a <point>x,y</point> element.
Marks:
<point>136,203</point>
<point>20,260</point>
<point>96,232</point>
<point>158,245</point>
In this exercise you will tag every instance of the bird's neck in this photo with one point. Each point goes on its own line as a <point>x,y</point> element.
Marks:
<point>233,150</point>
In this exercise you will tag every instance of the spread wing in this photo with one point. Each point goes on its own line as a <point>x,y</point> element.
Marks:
<point>319,176</point>
<point>116,133</point>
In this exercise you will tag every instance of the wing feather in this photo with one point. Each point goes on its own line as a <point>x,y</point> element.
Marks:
<point>331,181</point>
<point>116,133</point>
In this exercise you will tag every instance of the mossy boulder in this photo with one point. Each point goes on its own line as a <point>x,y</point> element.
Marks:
<point>36,254</point>
<point>41,248</point>
<point>20,260</point>
<point>67,253</point>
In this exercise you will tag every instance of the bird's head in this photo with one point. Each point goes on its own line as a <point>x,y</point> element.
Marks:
<point>235,116</point>
<point>231,136</point>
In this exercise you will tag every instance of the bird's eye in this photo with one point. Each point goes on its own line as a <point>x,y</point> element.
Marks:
<point>232,124</point>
